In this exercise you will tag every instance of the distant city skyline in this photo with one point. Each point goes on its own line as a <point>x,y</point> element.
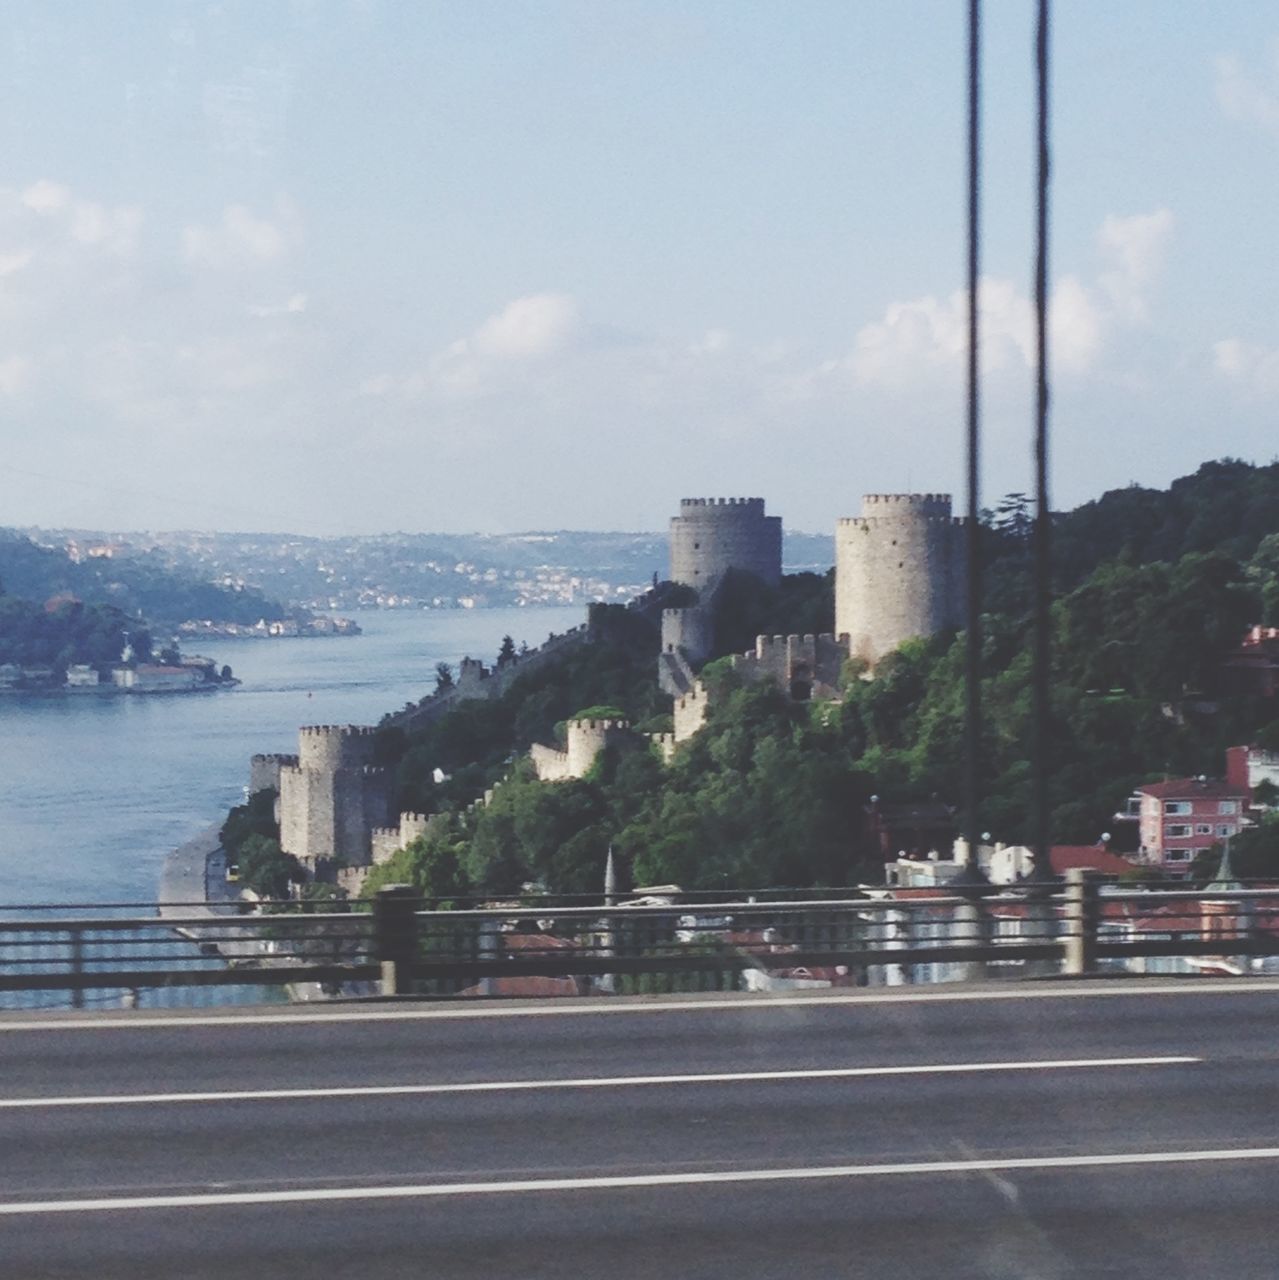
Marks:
<point>357,266</point>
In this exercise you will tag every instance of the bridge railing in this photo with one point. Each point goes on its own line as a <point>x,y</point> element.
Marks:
<point>399,944</point>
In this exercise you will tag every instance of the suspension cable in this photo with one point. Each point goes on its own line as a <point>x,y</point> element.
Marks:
<point>1042,706</point>
<point>972,719</point>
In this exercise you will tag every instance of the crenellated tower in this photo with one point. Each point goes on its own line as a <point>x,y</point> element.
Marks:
<point>334,796</point>
<point>713,535</point>
<point>901,572</point>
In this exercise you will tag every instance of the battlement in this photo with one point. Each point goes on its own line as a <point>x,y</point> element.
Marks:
<point>273,757</point>
<point>752,505</point>
<point>908,499</point>
<point>915,517</point>
<point>765,643</point>
<point>338,730</point>
<point>584,725</point>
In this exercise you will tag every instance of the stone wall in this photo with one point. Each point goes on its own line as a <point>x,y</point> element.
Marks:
<point>386,842</point>
<point>690,631</point>
<point>690,712</point>
<point>713,535</point>
<point>333,797</point>
<point>475,680</point>
<point>264,771</point>
<point>585,739</point>
<point>802,666</point>
<point>900,572</point>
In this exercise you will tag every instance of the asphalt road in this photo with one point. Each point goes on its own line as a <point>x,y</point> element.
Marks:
<point>1125,1130</point>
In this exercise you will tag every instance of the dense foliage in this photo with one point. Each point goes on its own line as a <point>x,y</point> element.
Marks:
<point>1156,589</point>
<point>66,632</point>
<point>140,585</point>
<point>251,839</point>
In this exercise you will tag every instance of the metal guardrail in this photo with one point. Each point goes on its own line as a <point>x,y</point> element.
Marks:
<point>398,945</point>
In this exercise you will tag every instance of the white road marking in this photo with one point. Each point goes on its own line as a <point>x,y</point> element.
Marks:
<point>588,1082</point>
<point>436,1190</point>
<point>106,1021</point>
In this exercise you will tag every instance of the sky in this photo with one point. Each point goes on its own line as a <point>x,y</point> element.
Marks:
<point>350,266</point>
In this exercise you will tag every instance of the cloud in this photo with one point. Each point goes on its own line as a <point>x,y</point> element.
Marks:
<point>1138,246</point>
<point>1246,99</point>
<point>528,328</point>
<point>514,344</point>
<point>241,238</point>
<point>1251,367</point>
<point>58,213</point>
<point>929,336</point>
<point>46,196</point>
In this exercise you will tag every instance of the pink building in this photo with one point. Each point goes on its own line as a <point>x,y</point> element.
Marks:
<point>1186,817</point>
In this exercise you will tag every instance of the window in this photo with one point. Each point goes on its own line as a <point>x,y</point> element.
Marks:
<point>1226,829</point>
<point>1176,806</point>
<point>1228,806</point>
<point>1176,830</point>
<point>1179,855</point>
<point>1203,829</point>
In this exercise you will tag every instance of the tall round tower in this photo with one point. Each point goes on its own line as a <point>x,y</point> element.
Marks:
<point>900,572</point>
<point>712,535</point>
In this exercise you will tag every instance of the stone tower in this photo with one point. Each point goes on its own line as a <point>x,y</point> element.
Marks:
<point>712,535</point>
<point>900,572</point>
<point>333,797</point>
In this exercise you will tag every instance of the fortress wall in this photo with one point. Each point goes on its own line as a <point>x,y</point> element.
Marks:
<point>665,744</point>
<point>587,738</point>
<point>809,663</point>
<point>308,813</point>
<point>386,842</point>
<point>690,712</point>
<point>713,535</point>
<point>475,680</point>
<point>899,572</point>
<point>689,631</point>
<point>551,765</point>
<point>336,746</point>
<point>264,771</point>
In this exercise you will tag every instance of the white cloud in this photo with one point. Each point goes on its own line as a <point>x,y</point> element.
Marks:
<point>46,196</point>
<point>515,344</point>
<point>1137,245</point>
<point>528,328</point>
<point>930,335</point>
<point>1252,367</point>
<point>241,237</point>
<point>1244,98</point>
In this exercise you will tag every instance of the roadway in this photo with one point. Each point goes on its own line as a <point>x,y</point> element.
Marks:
<point>1115,1129</point>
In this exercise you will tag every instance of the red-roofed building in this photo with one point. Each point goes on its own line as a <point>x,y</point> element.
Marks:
<point>1185,817</point>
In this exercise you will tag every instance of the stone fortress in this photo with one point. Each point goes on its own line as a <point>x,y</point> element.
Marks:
<point>900,573</point>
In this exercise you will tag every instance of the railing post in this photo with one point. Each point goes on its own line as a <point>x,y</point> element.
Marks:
<point>395,936</point>
<point>1079,934</point>
<point>77,966</point>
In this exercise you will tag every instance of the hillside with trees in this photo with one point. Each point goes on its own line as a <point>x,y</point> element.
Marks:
<point>139,586</point>
<point>1157,588</point>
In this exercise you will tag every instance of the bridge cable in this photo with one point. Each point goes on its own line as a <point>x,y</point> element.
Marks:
<point>1041,696</point>
<point>973,532</point>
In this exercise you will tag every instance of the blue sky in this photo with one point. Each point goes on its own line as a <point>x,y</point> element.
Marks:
<point>375,265</point>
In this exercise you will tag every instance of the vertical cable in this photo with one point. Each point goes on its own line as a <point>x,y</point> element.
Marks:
<point>1043,519</point>
<point>972,720</point>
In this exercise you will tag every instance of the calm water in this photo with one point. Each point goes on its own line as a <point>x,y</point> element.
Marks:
<point>94,791</point>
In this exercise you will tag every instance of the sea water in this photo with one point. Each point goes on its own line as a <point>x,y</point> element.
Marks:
<point>95,791</point>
